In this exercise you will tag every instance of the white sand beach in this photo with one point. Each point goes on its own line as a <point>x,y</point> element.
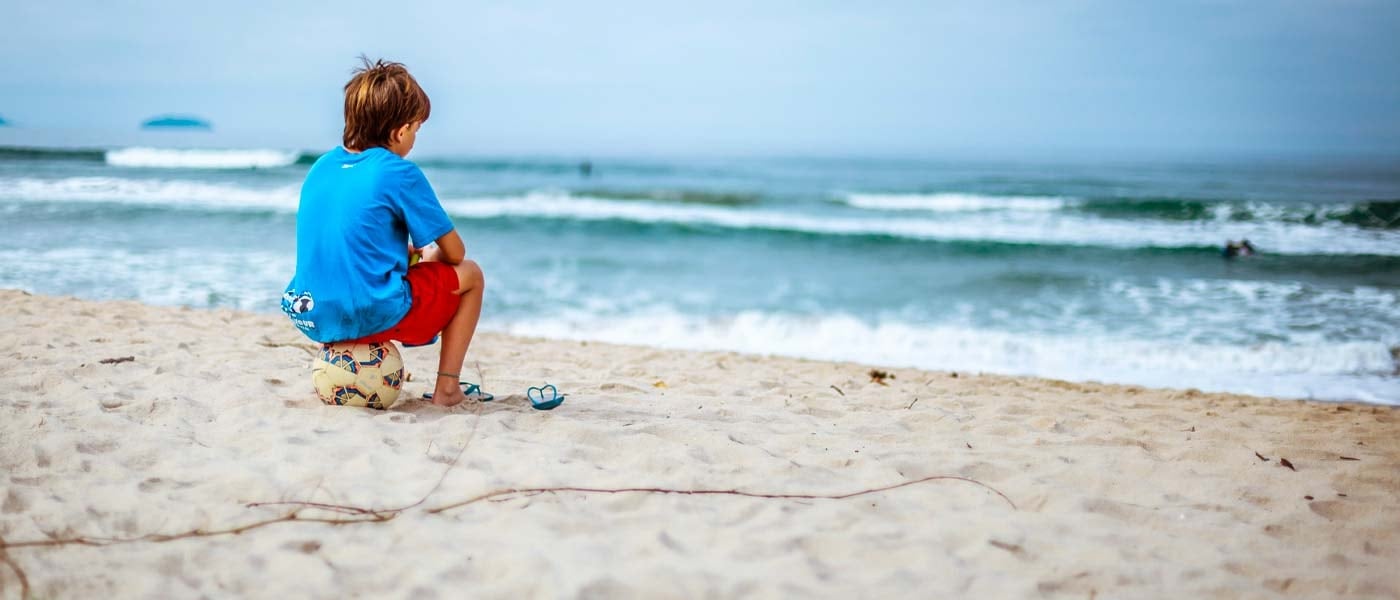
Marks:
<point>124,480</point>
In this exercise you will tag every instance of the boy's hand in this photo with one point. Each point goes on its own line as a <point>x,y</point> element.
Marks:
<point>431,253</point>
<point>415,255</point>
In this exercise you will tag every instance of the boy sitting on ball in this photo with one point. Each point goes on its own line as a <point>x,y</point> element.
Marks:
<point>360,206</point>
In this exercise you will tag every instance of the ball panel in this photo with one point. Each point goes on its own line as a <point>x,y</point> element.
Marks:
<point>372,356</point>
<point>367,375</point>
<point>343,357</point>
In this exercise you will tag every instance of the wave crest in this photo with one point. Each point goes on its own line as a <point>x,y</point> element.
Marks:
<point>168,158</point>
<point>154,192</point>
<point>950,202</point>
<point>1033,228</point>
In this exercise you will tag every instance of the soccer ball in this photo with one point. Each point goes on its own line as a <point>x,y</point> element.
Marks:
<point>358,374</point>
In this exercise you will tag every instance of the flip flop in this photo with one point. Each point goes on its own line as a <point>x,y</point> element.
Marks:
<point>537,400</point>
<point>468,388</point>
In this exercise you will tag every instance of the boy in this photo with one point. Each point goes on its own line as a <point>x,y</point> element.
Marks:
<point>360,205</point>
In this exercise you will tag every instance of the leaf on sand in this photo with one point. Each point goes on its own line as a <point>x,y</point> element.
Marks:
<point>113,361</point>
<point>659,384</point>
<point>878,376</point>
<point>838,390</point>
<point>1347,458</point>
<point>1284,462</point>
<point>1261,457</point>
<point>1012,548</point>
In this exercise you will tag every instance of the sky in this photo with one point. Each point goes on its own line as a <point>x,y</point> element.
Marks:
<point>991,79</point>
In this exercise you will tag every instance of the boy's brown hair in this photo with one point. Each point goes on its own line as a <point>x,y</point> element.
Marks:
<point>381,97</point>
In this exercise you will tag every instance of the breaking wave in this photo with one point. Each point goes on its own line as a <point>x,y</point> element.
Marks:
<point>167,158</point>
<point>954,202</point>
<point>1040,227</point>
<point>1336,371</point>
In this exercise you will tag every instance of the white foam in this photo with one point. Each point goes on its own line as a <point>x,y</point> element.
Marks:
<point>954,202</point>
<point>156,192</point>
<point>201,159</point>
<point>1292,213</point>
<point>209,278</point>
<point>1244,310</point>
<point>1335,371</point>
<point>1039,227</point>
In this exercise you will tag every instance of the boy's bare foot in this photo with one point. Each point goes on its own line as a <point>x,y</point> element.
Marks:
<point>448,393</point>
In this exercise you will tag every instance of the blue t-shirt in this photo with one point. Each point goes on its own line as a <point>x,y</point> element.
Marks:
<point>357,213</point>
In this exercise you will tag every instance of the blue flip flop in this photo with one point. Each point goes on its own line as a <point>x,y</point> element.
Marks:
<point>537,400</point>
<point>468,388</point>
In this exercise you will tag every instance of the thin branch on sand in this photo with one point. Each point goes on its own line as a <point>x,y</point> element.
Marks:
<point>23,579</point>
<point>476,411</point>
<point>193,533</point>
<point>779,496</point>
<point>310,349</point>
<point>369,515</point>
<point>359,514</point>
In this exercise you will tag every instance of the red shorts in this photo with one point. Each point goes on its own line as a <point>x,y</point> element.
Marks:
<point>431,285</point>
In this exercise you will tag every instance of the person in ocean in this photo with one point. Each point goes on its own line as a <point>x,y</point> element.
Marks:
<point>378,259</point>
<point>1241,248</point>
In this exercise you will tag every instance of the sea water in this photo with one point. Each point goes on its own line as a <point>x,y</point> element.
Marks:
<point>1083,271</point>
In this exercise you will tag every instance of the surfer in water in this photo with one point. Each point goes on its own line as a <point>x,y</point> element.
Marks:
<point>1241,248</point>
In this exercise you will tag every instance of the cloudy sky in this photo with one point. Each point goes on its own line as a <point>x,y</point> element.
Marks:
<point>1090,77</point>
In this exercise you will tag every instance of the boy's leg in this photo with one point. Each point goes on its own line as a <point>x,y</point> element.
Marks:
<point>457,336</point>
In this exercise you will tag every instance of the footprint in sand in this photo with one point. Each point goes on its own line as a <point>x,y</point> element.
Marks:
<point>156,484</point>
<point>1334,510</point>
<point>14,502</point>
<point>96,447</point>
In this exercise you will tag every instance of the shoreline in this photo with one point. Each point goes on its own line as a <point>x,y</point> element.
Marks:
<point>488,333</point>
<point>1105,489</point>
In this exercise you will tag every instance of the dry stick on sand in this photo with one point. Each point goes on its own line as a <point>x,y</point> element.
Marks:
<point>364,515</point>
<point>476,410</point>
<point>308,348</point>
<point>23,580</point>
<point>513,491</point>
<point>371,515</point>
<point>193,533</point>
<point>368,515</point>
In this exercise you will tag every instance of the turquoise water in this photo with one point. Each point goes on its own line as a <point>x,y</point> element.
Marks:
<point>1106,271</point>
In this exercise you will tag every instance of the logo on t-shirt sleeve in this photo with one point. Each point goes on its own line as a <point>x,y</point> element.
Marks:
<point>295,305</point>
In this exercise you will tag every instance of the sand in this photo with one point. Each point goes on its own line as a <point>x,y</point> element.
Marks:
<point>1079,490</point>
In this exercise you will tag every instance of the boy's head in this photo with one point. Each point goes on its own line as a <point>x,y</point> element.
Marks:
<point>383,107</point>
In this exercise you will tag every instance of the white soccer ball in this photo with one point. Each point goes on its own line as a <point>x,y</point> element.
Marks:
<point>369,375</point>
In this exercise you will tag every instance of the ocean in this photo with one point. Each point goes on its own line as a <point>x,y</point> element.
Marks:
<point>1106,271</point>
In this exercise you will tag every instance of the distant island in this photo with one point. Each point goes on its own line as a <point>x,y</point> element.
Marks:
<point>175,122</point>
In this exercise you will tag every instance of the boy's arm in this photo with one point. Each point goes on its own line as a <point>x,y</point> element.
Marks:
<point>450,248</point>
